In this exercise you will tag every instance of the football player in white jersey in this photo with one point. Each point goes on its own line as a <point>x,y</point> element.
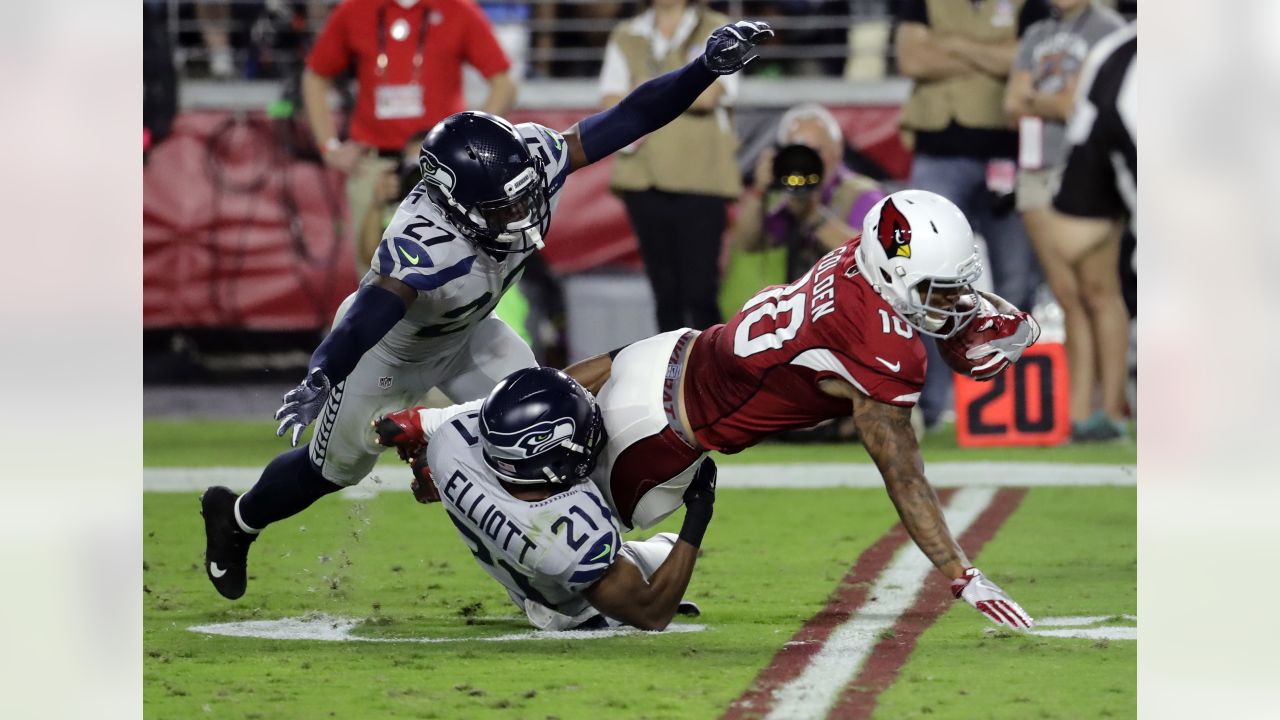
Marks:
<point>513,477</point>
<point>422,317</point>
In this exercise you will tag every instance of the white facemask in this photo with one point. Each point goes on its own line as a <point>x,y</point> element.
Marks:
<point>533,233</point>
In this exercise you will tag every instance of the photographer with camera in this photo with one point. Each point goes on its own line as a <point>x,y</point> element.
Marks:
<point>821,203</point>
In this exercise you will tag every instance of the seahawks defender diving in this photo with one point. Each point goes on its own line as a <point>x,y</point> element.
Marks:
<point>423,314</point>
<point>513,477</point>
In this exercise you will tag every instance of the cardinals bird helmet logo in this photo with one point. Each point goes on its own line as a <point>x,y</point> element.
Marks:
<point>894,231</point>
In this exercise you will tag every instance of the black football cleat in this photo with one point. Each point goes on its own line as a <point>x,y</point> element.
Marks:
<point>226,548</point>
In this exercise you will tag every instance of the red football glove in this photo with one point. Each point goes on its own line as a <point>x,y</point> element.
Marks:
<point>974,588</point>
<point>1014,330</point>
<point>423,486</point>
<point>402,430</point>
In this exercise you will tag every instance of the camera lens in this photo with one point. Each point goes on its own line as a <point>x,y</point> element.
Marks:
<point>797,169</point>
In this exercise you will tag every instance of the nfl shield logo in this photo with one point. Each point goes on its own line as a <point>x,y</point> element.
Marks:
<point>384,383</point>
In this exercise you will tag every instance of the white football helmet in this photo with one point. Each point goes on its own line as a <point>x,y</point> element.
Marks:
<point>915,244</point>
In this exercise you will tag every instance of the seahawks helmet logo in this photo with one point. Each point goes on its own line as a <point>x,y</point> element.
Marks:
<point>436,173</point>
<point>537,439</point>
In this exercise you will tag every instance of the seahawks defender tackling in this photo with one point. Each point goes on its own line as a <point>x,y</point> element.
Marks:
<point>844,338</point>
<point>512,474</point>
<point>422,317</point>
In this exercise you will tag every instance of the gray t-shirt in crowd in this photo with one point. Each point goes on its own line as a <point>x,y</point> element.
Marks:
<point>1053,50</point>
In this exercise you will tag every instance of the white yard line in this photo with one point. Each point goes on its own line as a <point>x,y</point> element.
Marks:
<point>1120,632</point>
<point>815,690</point>
<point>1079,620</point>
<point>946,474</point>
<point>800,475</point>
<point>340,629</point>
<point>1077,627</point>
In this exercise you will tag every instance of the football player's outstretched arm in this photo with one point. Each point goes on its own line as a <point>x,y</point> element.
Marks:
<point>377,307</point>
<point>657,102</point>
<point>886,433</point>
<point>623,594</point>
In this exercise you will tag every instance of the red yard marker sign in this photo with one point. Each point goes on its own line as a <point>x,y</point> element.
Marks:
<point>1027,404</point>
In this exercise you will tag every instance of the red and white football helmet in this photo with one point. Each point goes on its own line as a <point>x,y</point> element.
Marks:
<point>914,243</point>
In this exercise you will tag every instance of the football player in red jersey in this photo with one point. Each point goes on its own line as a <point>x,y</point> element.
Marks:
<point>843,338</point>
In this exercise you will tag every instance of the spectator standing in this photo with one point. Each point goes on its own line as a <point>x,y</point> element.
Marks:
<point>407,58</point>
<point>1099,183</point>
<point>1040,95</point>
<point>959,52</point>
<point>813,221</point>
<point>215,29</point>
<point>1100,180</point>
<point>676,182</point>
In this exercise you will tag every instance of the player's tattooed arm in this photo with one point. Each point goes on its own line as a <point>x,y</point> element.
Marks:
<point>886,433</point>
<point>592,373</point>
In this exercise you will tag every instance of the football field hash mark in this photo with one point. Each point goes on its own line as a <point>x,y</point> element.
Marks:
<point>330,628</point>
<point>1087,627</point>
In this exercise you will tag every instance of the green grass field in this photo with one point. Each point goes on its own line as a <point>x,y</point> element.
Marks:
<point>207,443</point>
<point>771,559</point>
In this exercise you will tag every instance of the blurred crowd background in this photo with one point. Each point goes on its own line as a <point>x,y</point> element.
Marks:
<point>228,39</point>
<point>271,169</point>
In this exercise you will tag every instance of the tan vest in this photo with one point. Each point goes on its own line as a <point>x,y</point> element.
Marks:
<point>975,99</point>
<point>693,154</point>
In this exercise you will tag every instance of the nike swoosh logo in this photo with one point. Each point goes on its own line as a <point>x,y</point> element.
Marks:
<point>216,571</point>
<point>893,367</point>
<point>603,553</point>
<point>411,258</point>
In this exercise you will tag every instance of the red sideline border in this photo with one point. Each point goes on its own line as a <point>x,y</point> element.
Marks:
<point>848,596</point>
<point>858,699</point>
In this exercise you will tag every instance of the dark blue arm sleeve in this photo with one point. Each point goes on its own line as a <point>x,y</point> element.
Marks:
<point>645,109</point>
<point>374,311</point>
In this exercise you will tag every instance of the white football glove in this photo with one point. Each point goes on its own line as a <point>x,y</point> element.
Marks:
<point>974,588</point>
<point>1018,331</point>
